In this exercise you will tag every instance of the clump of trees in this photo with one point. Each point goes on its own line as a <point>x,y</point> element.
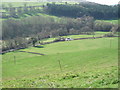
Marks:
<point>39,27</point>
<point>46,25</point>
<point>34,40</point>
<point>103,26</point>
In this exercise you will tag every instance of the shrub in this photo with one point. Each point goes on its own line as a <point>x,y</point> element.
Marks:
<point>109,35</point>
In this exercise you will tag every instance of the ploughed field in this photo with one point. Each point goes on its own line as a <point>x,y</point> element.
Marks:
<point>69,64</point>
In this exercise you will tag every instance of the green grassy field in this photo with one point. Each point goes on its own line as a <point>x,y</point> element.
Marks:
<point>84,63</point>
<point>21,4</point>
<point>57,19</point>
<point>110,21</point>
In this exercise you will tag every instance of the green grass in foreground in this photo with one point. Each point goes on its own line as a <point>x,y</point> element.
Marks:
<point>85,63</point>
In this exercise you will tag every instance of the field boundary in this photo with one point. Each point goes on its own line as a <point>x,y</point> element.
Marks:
<point>79,39</point>
<point>3,52</point>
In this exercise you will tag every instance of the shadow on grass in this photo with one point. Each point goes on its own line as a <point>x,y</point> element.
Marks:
<point>39,46</point>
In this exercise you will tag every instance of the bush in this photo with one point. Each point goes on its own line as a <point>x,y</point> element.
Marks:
<point>109,35</point>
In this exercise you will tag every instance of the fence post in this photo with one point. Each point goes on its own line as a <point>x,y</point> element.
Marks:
<point>110,42</point>
<point>60,65</point>
<point>14,59</point>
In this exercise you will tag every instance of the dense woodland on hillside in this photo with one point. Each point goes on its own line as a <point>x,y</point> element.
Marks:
<point>77,10</point>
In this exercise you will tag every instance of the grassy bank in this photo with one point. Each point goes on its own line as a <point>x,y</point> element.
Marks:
<point>85,63</point>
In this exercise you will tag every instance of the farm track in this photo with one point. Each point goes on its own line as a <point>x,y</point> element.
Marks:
<point>33,52</point>
<point>79,39</point>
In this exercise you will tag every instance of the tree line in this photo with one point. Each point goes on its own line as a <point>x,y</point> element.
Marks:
<point>78,10</point>
<point>34,25</point>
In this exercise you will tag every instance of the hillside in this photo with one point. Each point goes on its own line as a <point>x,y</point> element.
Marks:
<point>59,44</point>
<point>84,63</point>
<point>66,9</point>
<point>44,0</point>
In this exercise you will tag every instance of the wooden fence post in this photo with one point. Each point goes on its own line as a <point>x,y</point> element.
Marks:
<point>60,65</point>
<point>14,59</point>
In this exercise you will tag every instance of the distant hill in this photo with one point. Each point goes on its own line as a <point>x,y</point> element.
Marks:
<point>44,1</point>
